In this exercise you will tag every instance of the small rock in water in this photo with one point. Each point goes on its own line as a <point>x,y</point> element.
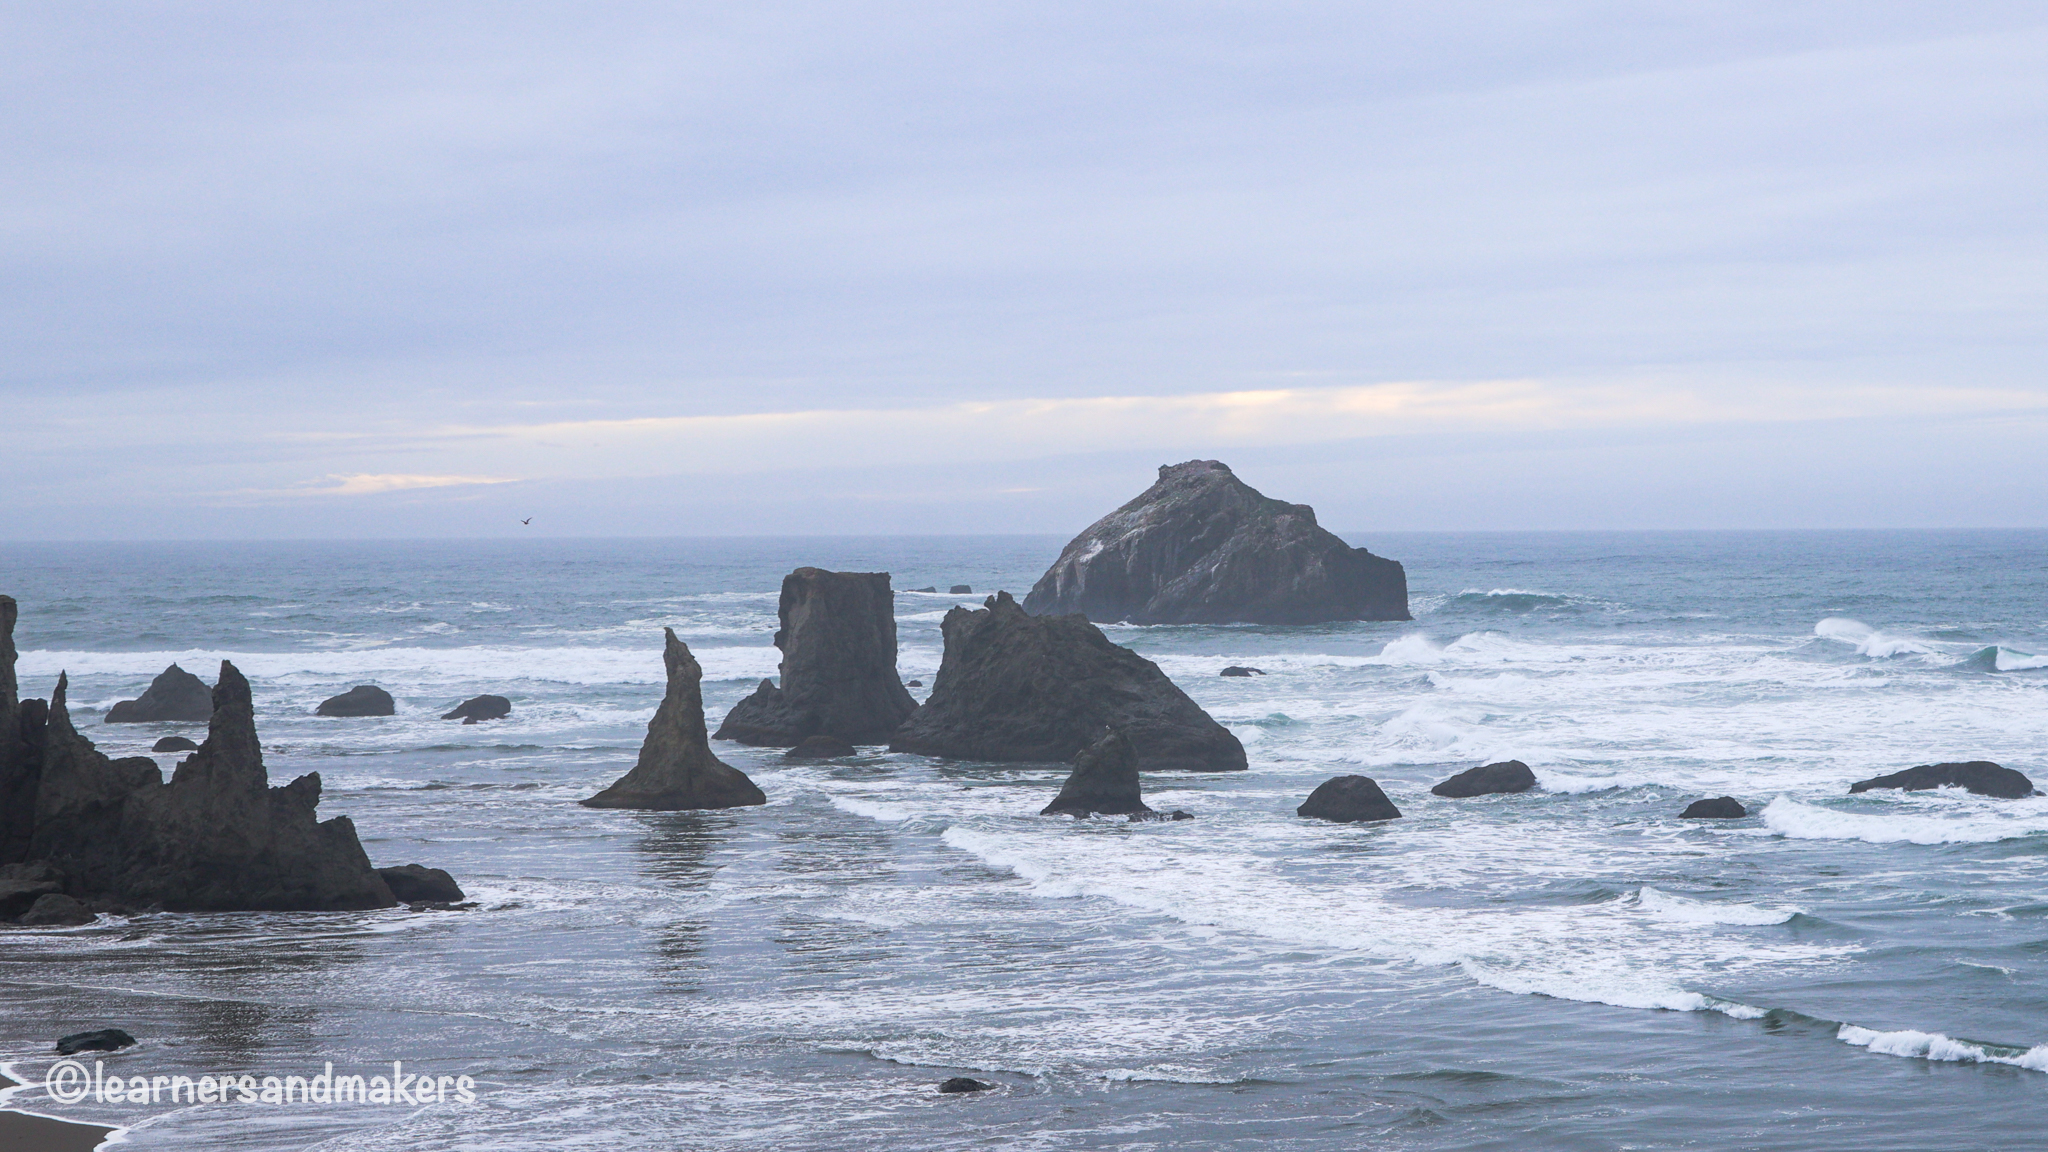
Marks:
<point>926,588</point>
<point>54,909</point>
<point>965,1084</point>
<point>1348,800</point>
<point>1979,776</point>
<point>961,590</point>
<point>1236,670</point>
<point>1489,779</point>
<point>820,748</point>
<point>915,684</point>
<point>415,883</point>
<point>480,708</point>
<point>174,744</point>
<point>104,1040</point>
<point>361,700</point>
<point>1719,808</point>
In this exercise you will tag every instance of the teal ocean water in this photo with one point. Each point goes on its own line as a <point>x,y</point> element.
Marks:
<point>1573,968</point>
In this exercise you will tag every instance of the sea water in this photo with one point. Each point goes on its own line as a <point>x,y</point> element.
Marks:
<point>1574,967</point>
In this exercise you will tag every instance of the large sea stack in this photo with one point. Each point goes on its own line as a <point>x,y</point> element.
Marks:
<point>676,768</point>
<point>838,641</point>
<point>175,695</point>
<point>217,837</point>
<point>1203,547</point>
<point>21,738</point>
<point>1012,686</point>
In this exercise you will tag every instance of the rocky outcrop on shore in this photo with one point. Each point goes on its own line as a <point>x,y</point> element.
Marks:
<point>216,837</point>
<point>361,700</point>
<point>676,769</point>
<point>1488,780</point>
<point>1348,800</point>
<point>1718,808</point>
<point>1201,546</point>
<point>837,632</point>
<point>477,709</point>
<point>1012,686</point>
<point>1981,777</point>
<point>1104,781</point>
<point>175,695</point>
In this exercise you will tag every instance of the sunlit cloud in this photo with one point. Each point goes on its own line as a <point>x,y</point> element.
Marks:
<point>369,484</point>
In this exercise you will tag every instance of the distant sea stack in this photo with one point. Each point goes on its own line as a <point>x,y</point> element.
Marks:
<point>1201,546</point>
<point>676,769</point>
<point>838,641</point>
<point>1041,688</point>
<point>175,695</point>
<point>216,838</point>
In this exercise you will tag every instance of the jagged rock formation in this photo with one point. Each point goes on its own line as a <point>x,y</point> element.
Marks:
<point>477,709</point>
<point>174,744</point>
<point>1201,546</point>
<point>1018,687</point>
<point>21,738</point>
<point>217,837</point>
<point>838,641</point>
<point>175,695</point>
<point>1488,779</point>
<point>1348,800</point>
<point>676,768</point>
<point>1979,776</point>
<point>1719,808</point>
<point>1105,780</point>
<point>417,883</point>
<point>361,700</point>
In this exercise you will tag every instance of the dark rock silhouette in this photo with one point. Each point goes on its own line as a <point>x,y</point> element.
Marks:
<point>1348,800</point>
<point>1104,781</point>
<point>477,709</point>
<point>838,641</point>
<point>915,684</point>
<point>1979,776</point>
<point>1019,687</point>
<point>417,883</point>
<point>55,910</point>
<point>361,700</point>
<point>926,588</point>
<point>18,895</point>
<point>174,695</point>
<point>960,590</point>
<point>174,744</point>
<point>1240,670</point>
<point>217,837</point>
<point>1201,546</point>
<point>821,748</point>
<point>676,769</point>
<point>102,1040</point>
<point>1507,776</point>
<point>21,737</point>
<point>1719,808</point>
<point>965,1084</point>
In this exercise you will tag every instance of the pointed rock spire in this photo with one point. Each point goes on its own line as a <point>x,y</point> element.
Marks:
<point>676,769</point>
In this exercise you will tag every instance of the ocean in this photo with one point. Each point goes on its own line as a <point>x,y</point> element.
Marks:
<point>1570,968</point>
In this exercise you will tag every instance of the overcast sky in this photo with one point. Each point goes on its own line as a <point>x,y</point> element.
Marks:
<point>425,269</point>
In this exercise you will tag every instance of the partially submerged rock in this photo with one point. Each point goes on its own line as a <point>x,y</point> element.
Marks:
<point>1981,777</point>
<point>174,744</point>
<point>1041,688</point>
<point>960,590</point>
<point>1487,780</point>
<point>417,883</point>
<point>965,1084</point>
<point>676,769</point>
<point>361,700</point>
<point>821,748</point>
<point>926,588</point>
<point>1104,781</point>
<point>1348,800</point>
<point>1718,808</point>
<point>477,709</point>
<point>175,695</point>
<point>1240,670</point>
<point>1201,546</point>
<point>217,837</point>
<point>838,641</point>
<point>55,910</point>
<point>99,1040</point>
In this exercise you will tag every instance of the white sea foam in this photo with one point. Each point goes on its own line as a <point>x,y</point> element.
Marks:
<point>483,663</point>
<point>1970,823</point>
<point>1866,640</point>
<point>2008,660</point>
<point>1682,910</point>
<point>1936,1046</point>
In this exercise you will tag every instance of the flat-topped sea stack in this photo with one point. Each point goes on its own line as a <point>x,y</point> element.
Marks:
<point>676,770</point>
<point>215,838</point>
<point>175,695</point>
<point>1201,546</point>
<point>838,639</point>
<point>1013,686</point>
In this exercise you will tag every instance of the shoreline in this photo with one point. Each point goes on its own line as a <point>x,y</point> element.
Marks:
<point>40,1133</point>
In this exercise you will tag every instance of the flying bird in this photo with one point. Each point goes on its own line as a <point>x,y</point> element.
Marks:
<point>528,520</point>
